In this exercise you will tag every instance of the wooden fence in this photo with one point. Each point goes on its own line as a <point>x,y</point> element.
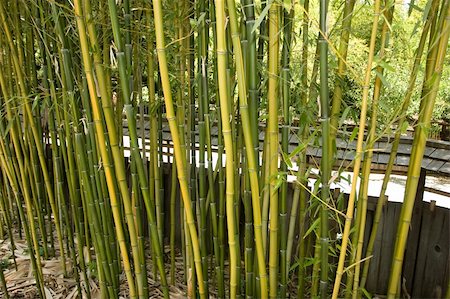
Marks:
<point>426,266</point>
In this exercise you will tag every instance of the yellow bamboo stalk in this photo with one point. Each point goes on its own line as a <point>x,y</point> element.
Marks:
<point>429,93</point>
<point>272,98</point>
<point>251,160</point>
<point>36,137</point>
<point>359,152</point>
<point>179,154</point>
<point>109,174</point>
<point>224,97</point>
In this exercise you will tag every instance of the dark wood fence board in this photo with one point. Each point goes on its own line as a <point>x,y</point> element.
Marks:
<point>414,233</point>
<point>372,279</point>
<point>422,245</point>
<point>368,228</point>
<point>432,252</point>
<point>389,232</point>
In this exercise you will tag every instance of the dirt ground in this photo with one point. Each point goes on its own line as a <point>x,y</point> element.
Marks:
<point>21,282</point>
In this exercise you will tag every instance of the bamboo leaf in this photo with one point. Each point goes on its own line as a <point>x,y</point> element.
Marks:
<point>344,116</point>
<point>302,146</point>
<point>367,294</point>
<point>298,149</point>
<point>416,27</point>
<point>383,64</point>
<point>382,78</point>
<point>426,11</point>
<point>8,127</point>
<point>404,127</point>
<point>35,102</point>
<point>262,15</point>
<point>313,226</point>
<point>201,18</point>
<point>280,179</point>
<point>286,159</point>
<point>353,135</point>
<point>287,4</point>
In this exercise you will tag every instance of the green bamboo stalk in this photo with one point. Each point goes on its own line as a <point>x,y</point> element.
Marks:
<point>154,173</point>
<point>341,69</point>
<point>438,48</point>
<point>302,176</point>
<point>124,74</point>
<point>173,194</point>
<point>249,257</point>
<point>249,146</point>
<point>110,177</point>
<point>382,198</point>
<point>288,17</point>
<point>226,115</point>
<point>5,288</point>
<point>30,231</point>
<point>203,108</point>
<point>94,220</point>
<point>325,163</point>
<point>315,277</point>
<point>359,152</point>
<point>252,74</point>
<point>218,207</point>
<point>134,150</point>
<point>388,12</point>
<point>33,127</point>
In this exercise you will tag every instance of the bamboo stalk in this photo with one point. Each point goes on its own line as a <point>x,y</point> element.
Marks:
<point>285,91</point>
<point>325,163</point>
<point>179,155</point>
<point>37,139</point>
<point>225,100</point>
<point>388,12</point>
<point>342,67</point>
<point>382,198</point>
<point>249,146</point>
<point>110,176</point>
<point>299,197</point>
<point>359,152</point>
<point>438,48</point>
<point>30,232</point>
<point>272,134</point>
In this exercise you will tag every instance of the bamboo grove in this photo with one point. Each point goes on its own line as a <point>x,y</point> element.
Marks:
<point>230,79</point>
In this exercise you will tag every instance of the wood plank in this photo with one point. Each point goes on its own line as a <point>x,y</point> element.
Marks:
<point>402,160</point>
<point>422,245</point>
<point>433,255</point>
<point>445,168</point>
<point>388,243</point>
<point>442,154</point>
<point>414,234</point>
<point>435,165</point>
<point>373,275</point>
